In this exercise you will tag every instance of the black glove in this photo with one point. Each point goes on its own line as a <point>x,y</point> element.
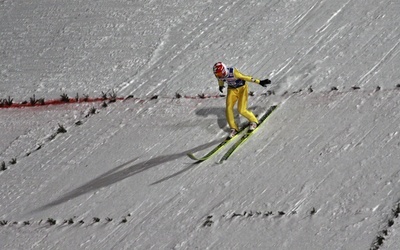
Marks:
<point>221,89</point>
<point>265,82</point>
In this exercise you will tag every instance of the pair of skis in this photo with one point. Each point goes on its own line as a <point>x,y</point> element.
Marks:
<point>237,143</point>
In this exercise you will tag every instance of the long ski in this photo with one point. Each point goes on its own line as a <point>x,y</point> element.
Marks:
<point>247,135</point>
<point>216,149</point>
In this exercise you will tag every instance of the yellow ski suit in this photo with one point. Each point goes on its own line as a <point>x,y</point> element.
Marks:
<point>237,92</point>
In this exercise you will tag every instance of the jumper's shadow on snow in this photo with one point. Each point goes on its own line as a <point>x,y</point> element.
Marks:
<point>219,112</point>
<point>122,172</point>
<point>175,174</point>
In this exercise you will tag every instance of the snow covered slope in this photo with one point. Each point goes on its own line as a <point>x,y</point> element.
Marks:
<point>322,173</point>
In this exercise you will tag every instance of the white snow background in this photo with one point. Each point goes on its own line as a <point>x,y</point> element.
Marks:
<point>323,172</point>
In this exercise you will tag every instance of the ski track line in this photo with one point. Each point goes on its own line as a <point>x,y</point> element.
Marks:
<point>294,61</point>
<point>299,203</point>
<point>102,135</point>
<point>121,229</point>
<point>385,58</point>
<point>383,226</point>
<point>311,192</point>
<point>307,196</point>
<point>146,221</point>
<point>46,138</point>
<point>328,22</point>
<point>40,241</point>
<point>192,37</point>
<point>319,40</point>
<point>301,18</point>
<point>372,129</point>
<point>243,180</point>
<point>200,31</point>
<point>384,131</point>
<point>16,140</point>
<point>218,200</point>
<point>289,61</point>
<point>325,114</point>
<point>99,134</point>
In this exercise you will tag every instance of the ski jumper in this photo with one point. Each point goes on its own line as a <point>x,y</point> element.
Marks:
<point>237,92</point>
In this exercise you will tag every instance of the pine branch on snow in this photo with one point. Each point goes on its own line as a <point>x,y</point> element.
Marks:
<point>13,161</point>
<point>51,221</point>
<point>113,96</point>
<point>64,98</point>
<point>61,129</point>
<point>3,166</point>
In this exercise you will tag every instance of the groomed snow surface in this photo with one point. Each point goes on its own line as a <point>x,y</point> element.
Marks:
<point>321,173</point>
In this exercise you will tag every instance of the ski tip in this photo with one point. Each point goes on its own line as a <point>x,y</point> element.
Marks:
<point>198,160</point>
<point>273,107</point>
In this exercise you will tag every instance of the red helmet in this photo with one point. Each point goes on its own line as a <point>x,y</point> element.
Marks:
<point>220,69</point>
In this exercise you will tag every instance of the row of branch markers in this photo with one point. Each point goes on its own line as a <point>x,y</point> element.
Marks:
<point>9,102</point>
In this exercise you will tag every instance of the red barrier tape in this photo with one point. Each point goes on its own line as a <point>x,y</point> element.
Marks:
<point>89,100</point>
<point>55,102</point>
